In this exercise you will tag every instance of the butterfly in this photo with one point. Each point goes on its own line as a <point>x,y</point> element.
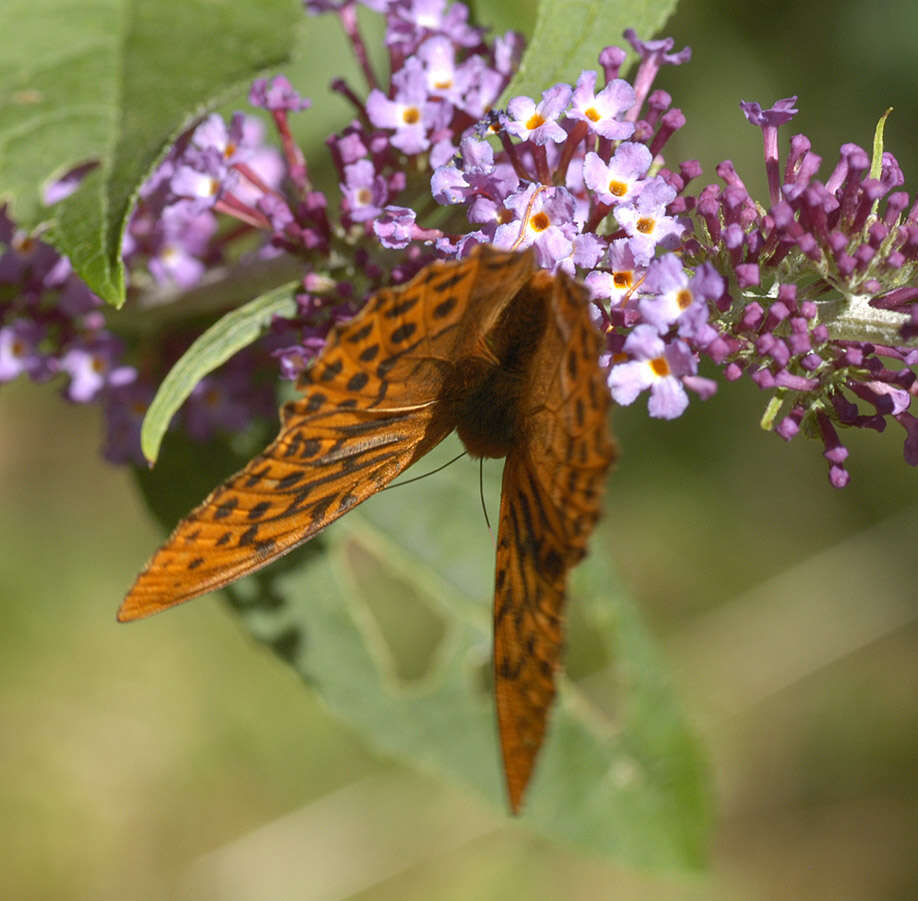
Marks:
<point>490,346</point>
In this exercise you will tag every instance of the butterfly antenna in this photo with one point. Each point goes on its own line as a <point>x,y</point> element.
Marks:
<point>484,506</point>
<point>426,474</point>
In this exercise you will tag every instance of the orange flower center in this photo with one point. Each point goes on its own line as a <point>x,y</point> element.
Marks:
<point>411,115</point>
<point>534,121</point>
<point>684,299</point>
<point>592,114</point>
<point>622,279</point>
<point>364,195</point>
<point>645,225</point>
<point>617,188</point>
<point>443,85</point>
<point>540,222</point>
<point>230,150</point>
<point>659,366</point>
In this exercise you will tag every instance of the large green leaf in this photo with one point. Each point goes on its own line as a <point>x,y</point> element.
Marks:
<point>569,34</point>
<point>392,626</point>
<point>113,81</point>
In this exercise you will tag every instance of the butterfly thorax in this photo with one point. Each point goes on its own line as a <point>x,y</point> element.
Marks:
<point>488,392</point>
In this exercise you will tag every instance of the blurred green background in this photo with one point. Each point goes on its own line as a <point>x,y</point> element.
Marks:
<point>175,758</point>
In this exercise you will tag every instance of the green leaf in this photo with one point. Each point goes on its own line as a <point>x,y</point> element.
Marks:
<point>570,33</point>
<point>113,81</point>
<point>876,161</point>
<point>225,337</point>
<point>392,625</point>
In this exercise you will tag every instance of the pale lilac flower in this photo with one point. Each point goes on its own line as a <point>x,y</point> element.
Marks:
<point>655,366</point>
<point>619,180</point>
<point>601,111</point>
<point>92,368</point>
<point>364,191</point>
<point>586,251</point>
<point>538,122</point>
<point>185,234</point>
<point>19,350</point>
<point>410,115</point>
<point>671,297</point>
<point>395,227</point>
<point>645,220</point>
<point>544,219</point>
<point>277,94</point>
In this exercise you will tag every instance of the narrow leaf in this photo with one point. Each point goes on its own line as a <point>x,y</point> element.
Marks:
<point>225,337</point>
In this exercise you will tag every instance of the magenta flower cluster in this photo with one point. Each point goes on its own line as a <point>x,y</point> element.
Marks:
<point>678,278</point>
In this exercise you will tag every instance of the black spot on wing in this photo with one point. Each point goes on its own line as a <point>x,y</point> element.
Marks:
<point>402,306</point>
<point>314,401</point>
<point>403,332</point>
<point>259,510</point>
<point>572,363</point>
<point>311,446</point>
<point>361,334</point>
<point>248,537</point>
<point>552,565</point>
<point>445,307</point>
<point>257,476</point>
<point>226,508</point>
<point>330,370</point>
<point>357,381</point>
<point>451,281</point>
<point>289,480</point>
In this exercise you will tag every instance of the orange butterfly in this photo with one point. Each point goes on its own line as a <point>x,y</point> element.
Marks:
<point>491,346</point>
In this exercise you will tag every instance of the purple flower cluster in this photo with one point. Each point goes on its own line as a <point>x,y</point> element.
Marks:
<point>51,324</point>
<point>575,178</point>
<point>806,278</point>
<point>174,234</point>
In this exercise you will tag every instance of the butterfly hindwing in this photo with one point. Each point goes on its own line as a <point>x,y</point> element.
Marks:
<point>550,501</point>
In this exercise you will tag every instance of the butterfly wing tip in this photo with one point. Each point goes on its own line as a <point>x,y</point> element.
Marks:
<point>125,614</point>
<point>133,608</point>
<point>516,790</point>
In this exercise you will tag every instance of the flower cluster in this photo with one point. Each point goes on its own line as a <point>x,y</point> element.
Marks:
<point>808,277</point>
<point>52,324</point>
<point>575,178</point>
<point>812,297</point>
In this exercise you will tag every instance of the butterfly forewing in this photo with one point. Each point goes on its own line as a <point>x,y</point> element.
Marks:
<point>370,407</point>
<point>550,501</point>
